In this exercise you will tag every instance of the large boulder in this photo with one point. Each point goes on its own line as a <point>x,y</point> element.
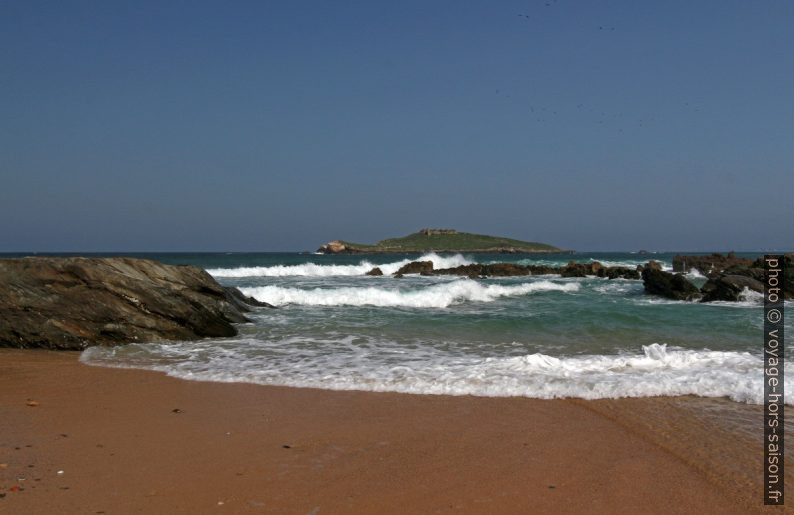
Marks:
<point>729,288</point>
<point>574,269</point>
<point>415,267</point>
<point>730,284</point>
<point>375,272</point>
<point>671,286</point>
<point>73,303</point>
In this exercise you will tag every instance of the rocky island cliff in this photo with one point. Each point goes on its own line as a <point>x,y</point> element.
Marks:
<point>439,240</point>
<point>73,303</point>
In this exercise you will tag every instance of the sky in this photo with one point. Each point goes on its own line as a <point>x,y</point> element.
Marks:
<point>277,126</point>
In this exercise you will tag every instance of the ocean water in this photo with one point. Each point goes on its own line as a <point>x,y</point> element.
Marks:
<point>538,336</point>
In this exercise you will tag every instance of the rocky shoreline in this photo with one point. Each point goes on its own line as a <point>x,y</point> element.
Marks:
<point>73,303</point>
<point>478,270</point>
<point>728,277</point>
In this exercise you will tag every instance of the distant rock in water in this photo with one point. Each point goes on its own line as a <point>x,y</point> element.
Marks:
<point>671,286</point>
<point>415,267</point>
<point>74,303</point>
<point>375,272</point>
<point>337,247</point>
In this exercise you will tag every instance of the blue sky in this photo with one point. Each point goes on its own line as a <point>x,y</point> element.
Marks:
<point>595,125</point>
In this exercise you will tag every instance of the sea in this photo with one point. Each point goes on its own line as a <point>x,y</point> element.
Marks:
<point>541,336</point>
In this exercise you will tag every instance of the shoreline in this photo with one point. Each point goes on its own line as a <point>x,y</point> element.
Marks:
<point>236,447</point>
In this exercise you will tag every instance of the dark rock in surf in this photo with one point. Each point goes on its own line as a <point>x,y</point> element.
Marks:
<point>505,270</point>
<point>375,272</point>
<point>574,269</point>
<point>73,303</point>
<point>475,270</point>
<point>243,302</point>
<point>619,272</point>
<point>415,267</point>
<point>729,288</point>
<point>671,286</point>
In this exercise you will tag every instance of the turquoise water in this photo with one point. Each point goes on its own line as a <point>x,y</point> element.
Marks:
<point>539,336</point>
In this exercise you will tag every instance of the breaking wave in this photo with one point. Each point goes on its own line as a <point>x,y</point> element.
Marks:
<point>344,365</point>
<point>320,270</point>
<point>436,296</point>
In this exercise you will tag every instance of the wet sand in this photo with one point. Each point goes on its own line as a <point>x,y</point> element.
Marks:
<point>128,441</point>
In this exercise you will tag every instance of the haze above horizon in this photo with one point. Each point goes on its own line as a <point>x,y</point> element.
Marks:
<point>604,125</point>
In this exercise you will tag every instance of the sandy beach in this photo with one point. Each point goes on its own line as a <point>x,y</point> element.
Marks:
<point>101,440</point>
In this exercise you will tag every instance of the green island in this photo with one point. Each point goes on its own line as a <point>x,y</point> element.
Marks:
<point>440,240</point>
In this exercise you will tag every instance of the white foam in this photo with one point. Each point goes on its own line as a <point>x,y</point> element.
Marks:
<point>694,273</point>
<point>435,296</point>
<point>320,270</point>
<point>617,286</point>
<point>344,365</point>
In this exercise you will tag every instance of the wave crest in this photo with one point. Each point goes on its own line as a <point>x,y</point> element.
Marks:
<point>436,296</point>
<point>320,270</point>
<point>341,365</point>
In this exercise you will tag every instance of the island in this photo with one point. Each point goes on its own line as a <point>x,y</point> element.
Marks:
<point>440,240</point>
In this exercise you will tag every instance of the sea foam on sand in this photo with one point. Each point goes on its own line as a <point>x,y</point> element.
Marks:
<point>344,364</point>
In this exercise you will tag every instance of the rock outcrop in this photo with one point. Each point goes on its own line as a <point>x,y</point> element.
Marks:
<point>730,283</point>
<point>729,287</point>
<point>415,267</point>
<point>620,272</point>
<point>375,272</point>
<point>728,275</point>
<point>671,286</point>
<point>73,303</point>
<point>572,269</point>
